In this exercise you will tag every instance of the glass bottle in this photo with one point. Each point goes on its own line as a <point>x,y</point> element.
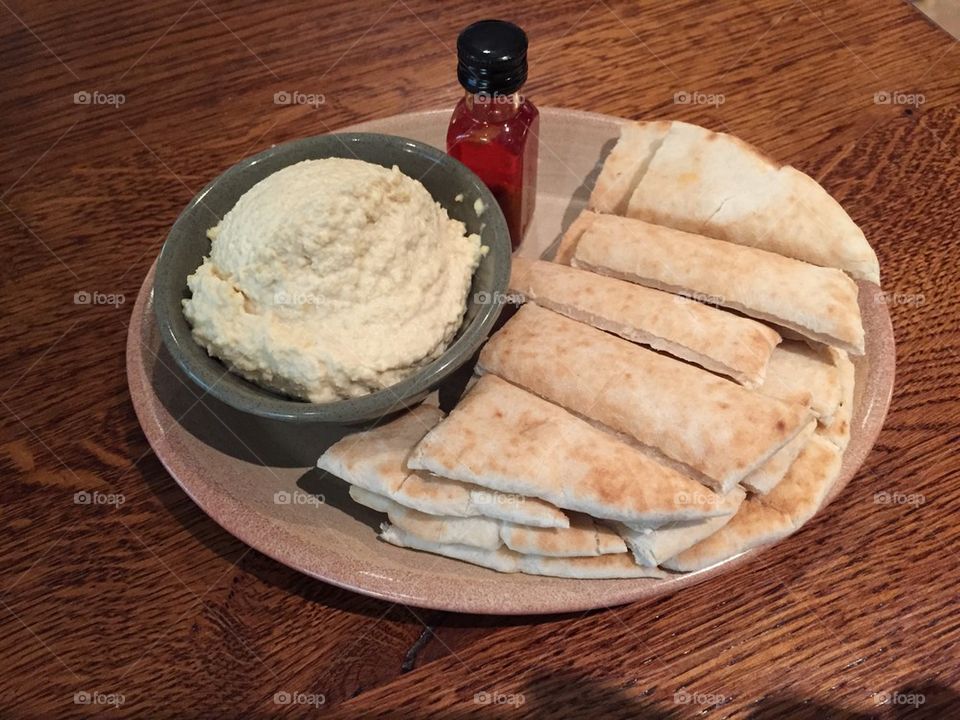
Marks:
<point>494,129</point>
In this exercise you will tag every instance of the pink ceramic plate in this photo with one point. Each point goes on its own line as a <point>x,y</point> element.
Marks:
<point>256,477</point>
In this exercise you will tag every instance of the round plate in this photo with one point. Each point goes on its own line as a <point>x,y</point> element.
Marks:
<point>256,477</point>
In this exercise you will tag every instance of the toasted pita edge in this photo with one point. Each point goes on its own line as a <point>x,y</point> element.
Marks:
<point>754,525</point>
<point>626,164</point>
<point>568,243</point>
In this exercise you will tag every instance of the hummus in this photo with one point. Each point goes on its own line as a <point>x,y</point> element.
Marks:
<point>331,279</point>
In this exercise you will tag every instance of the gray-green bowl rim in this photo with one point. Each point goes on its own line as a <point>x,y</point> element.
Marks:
<point>406,393</point>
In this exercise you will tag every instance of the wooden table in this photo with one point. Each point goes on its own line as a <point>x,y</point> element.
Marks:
<point>151,607</point>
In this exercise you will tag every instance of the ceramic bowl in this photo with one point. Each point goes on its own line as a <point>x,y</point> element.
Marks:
<point>451,184</point>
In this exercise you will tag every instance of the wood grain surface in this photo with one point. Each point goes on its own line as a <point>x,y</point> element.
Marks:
<point>136,604</point>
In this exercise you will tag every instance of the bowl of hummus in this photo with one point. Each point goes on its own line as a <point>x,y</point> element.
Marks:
<point>337,278</point>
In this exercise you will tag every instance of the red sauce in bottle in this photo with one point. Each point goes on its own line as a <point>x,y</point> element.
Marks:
<point>494,130</point>
<point>496,137</point>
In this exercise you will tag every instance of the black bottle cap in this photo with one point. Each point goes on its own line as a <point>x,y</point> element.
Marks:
<point>492,57</point>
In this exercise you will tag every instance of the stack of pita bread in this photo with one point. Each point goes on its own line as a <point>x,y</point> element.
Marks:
<point>676,389</point>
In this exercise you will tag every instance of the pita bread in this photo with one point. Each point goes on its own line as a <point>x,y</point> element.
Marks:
<point>766,519</point>
<point>716,340</point>
<point>765,478</point>
<point>805,486</point>
<point>568,243</point>
<point>376,459</point>
<point>372,500</point>
<point>711,425</point>
<point>717,185</point>
<point>477,532</point>
<point>805,375</point>
<point>602,567</point>
<point>626,164</point>
<point>504,438</point>
<point>819,303</point>
<point>584,537</point>
<point>651,547</point>
<point>690,175</point>
<point>501,559</point>
<point>507,561</point>
<point>797,218</point>
<point>838,431</point>
<point>441,496</point>
<point>754,525</point>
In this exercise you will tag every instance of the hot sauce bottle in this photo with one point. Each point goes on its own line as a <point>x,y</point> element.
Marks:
<point>494,129</point>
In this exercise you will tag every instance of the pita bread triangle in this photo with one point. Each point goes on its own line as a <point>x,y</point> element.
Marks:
<point>717,185</point>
